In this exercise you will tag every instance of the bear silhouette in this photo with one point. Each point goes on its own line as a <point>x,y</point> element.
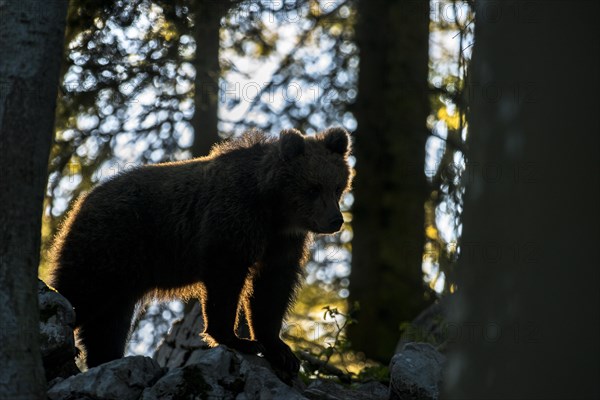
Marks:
<point>232,228</point>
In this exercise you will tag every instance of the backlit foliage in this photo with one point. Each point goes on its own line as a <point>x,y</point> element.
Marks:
<point>451,40</point>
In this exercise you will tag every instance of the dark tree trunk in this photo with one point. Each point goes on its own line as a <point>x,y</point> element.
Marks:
<point>31,44</point>
<point>390,188</point>
<point>207,25</point>
<point>526,325</point>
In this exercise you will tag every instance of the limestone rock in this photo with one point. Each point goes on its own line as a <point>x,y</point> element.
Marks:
<point>416,372</point>
<point>122,379</point>
<point>57,342</point>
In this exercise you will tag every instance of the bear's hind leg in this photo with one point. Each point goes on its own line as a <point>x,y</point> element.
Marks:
<point>104,335</point>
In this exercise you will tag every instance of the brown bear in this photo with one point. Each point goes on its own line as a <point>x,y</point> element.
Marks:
<point>232,228</point>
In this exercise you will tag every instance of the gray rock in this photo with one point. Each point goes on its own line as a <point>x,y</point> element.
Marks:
<point>220,373</point>
<point>329,390</point>
<point>121,379</point>
<point>416,372</point>
<point>375,389</point>
<point>182,340</point>
<point>57,342</point>
<point>180,383</point>
<point>262,383</point>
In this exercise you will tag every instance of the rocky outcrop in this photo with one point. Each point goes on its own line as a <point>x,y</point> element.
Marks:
<point>416,373</point>
<point>57,342</point>
<point>122,379</point>
<point>185,368</point>
<point>220,373</point>
<point>329,390</point>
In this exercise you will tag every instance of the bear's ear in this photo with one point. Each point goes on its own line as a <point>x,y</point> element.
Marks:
<point>291,143</point>
<point>337,140</point>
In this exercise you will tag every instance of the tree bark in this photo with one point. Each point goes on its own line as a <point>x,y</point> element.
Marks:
<point>526,324</point>
<point>390,188</point>
<point>31,45</point>
<point>207,24</point>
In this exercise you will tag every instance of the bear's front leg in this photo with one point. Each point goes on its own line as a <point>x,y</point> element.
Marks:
<point>273,287</point>
<point>222,288</point>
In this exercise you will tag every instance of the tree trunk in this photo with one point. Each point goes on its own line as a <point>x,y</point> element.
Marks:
<point>526,324</point>
<point>31,44</point>
<point>207,25</point>
<point>390,188</point>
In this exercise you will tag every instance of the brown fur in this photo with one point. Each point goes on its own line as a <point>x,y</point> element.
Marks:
<point>231,228</point>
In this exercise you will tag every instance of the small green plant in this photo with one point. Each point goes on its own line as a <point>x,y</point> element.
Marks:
<point>336,359</point>
<point>319,362</point>
<point>340,343</point>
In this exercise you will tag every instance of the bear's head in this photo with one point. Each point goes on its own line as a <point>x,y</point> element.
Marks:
<point>313,174</point>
